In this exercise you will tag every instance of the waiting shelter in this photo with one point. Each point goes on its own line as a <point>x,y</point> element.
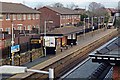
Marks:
<point>59,38</point>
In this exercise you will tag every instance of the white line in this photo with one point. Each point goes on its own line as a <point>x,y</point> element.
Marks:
<point>75,68</point>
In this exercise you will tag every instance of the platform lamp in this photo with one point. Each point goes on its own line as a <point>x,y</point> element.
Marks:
<point>84,28</point>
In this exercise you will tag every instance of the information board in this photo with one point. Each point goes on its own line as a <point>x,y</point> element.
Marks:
<point>49,41</point>
<point>15,48</point>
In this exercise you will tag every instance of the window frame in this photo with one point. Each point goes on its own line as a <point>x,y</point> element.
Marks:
<point>7,17</point>
<point>29,16</point>
<point>24,16</point>
<point>1,15</point>
<point>33,16</point>
<point>19,16</point>
<point>14,16</point>
<point>37,16</point>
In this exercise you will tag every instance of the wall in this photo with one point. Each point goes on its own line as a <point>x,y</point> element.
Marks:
<point>47,14</point>
<point>8,23</point>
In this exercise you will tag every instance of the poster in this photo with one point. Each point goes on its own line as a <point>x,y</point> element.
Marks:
<point>49,41</point>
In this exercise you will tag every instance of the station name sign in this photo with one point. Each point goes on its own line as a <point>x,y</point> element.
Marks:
<point>35,41</point>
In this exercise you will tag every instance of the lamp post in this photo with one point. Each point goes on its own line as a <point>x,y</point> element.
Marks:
<point>12,42</point>
<point>7,69</point>
<point>92,27</point>
<point>44,37</point>
<point>84,29</point>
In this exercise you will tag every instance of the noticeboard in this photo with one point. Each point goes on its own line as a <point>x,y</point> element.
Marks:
<point>49,41</point>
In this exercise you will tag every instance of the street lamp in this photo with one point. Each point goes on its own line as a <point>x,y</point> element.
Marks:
<point>92,26</point>
<point>7,69</point>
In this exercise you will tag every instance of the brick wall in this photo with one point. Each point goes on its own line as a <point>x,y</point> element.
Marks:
<point>25,23</point>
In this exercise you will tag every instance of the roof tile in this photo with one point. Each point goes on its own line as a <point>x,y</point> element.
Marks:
<point>16,8</point>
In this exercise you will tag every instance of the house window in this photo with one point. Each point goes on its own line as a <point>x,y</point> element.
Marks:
<point>33,16</point>
<point>1,17</point>
<point>29,27</point>
<point>14,17</point>
<point>19,27</point>
<point>29,16</point>
<point>7,16</point>
<point>25,28</point>
<point>37,16</point>
<point>1,29</point>
<point>8,30</point>
<point>63,17</point>
<point>19,17</point>
<point>68,16</point>
<point>24,17</point>
<point>14,28</point>
<point>37,26</point>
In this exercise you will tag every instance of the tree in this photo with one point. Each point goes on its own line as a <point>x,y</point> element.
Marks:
<point>119,5</point>
<point>96,9</point>
<point>72,6</point>
<point>83,16</point>
<point>57,5</point>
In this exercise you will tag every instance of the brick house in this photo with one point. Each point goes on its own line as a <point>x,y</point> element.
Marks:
<point>60,16</point>
<point>21,16</point>
<point>111,11</point>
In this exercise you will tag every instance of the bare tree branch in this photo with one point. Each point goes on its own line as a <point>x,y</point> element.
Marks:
<point>72,6</point>
<point>57,5</point>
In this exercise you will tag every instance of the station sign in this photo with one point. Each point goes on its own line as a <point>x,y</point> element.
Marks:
<point>15,48</point>
<point>35,41</point>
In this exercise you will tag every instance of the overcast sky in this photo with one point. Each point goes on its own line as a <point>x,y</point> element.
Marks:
<point>80,3</point>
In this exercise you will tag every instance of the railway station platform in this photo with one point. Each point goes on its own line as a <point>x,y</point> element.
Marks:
<point>84,41</point>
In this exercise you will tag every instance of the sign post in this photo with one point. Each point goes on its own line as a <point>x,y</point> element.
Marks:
<point>14,49</point>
